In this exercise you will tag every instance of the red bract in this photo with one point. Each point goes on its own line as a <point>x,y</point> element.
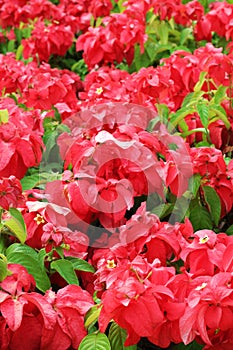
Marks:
<point>73,243</point>
<point>210,164</point>
<point>48,87</point>
<point>137,291</point>
<point>204,255</point>
<point>218,20</point>
<point>47,40</point>
<point>182,14</point>
<point>209,314</point>
<point>100,8</point>
<point>12,13</point>
<point>21,146</point>
<point>71,304</point>
<point>113,41</point>
<point>10,193</point>
<point>19,304</point>
<point>38,215</point>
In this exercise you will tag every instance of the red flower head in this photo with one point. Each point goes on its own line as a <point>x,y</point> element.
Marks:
<point>10,193</point>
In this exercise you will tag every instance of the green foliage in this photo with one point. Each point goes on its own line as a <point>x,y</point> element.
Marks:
<point>81,265</point>
<point>15,225</point>
<point>95,341</point>
<point>117,337</point>
<point>200,216</point>
<point>26,256</point>
<point>66,270</point>
<point>213,201</point>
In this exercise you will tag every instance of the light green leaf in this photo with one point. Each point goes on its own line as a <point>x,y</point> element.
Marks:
<point>92,316</point>
<point>95,341</point>
<point>203,111</point>
<point>180,115</point>
<point>220,94</point>
<point>29,182</point>
<point>16,225</point>
<point>66,270</point>
<point>4,272</point>
<point>200,83</point>
<point>4,116</point>
<point>219,111</point>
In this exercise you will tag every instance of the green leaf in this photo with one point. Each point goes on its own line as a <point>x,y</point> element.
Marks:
<point>27,257</point>
<point>11,46</point>
<point>185,35</point>
<point>192,98</point>
<point>15,213</point>
<point>203,111</point>
<point>16,225</point>
<point>213,201</point>
<point>18,248</point>
<point>200,83</point>
<point>191,346</point>
<point>219,111</point>
<point>117,337</point>
<point>229,231</point>
<point>194,184</point>
<point>4,116</point>
<point>200,217</point>
<point>180,115</point>
<point>29,182</point>
<point>80,264</point>
<point>95,341</point>
<point>92,316</point>
<point>41,257</point>
<point>162,31</point>
<point>66,270</point>
<point>220,94</point>
<point>4,272</point>
<point>19,52</point>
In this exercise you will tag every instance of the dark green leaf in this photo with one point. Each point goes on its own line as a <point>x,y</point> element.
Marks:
<point>194,184</point>
<point>117,337</point>
<point>19,254</point>
<point>213,201</point>
<point>200,218</point>
<point>80,264</point>
<point>229,231</point>
<point>66,270</point>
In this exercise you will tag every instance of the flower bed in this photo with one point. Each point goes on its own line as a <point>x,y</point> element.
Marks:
<point>116,175</point>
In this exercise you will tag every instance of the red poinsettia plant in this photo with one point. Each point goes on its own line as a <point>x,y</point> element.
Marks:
<point>116,175</point>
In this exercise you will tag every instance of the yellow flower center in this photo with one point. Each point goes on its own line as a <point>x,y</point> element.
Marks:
<point>99,90</point>
<point>39,219</point>
<point>111,264</point>
<point>202,286</point>
<point>204,239</point>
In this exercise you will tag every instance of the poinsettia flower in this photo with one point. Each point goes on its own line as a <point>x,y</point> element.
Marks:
<point>71,304</point>
<point>209,309</point>
<point>10,193</point>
